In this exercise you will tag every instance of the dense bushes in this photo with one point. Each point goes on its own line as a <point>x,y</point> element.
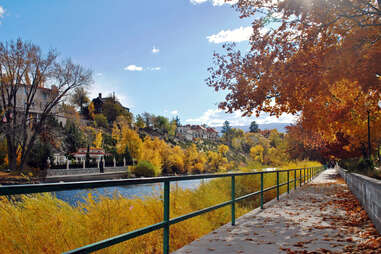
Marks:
<point>38,157</point>
<point>144,168</point>
<point>100,120</point>
<point>362,166</point>
<point>26,225</point>
<point>356,164</point>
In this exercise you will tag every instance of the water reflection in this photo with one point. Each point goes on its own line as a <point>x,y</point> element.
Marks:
<point>131,191</point>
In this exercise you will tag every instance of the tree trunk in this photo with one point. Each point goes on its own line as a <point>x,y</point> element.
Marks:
<point>12,161</point>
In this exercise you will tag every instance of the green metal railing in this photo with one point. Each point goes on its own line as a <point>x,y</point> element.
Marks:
<point>304,175</point>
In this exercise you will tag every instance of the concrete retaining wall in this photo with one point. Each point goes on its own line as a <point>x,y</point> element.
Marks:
<point>82,171</point>
<point>368,192</point>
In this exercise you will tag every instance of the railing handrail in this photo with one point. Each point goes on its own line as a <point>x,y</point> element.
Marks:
<point>63,186</point>
<point>167,221</point>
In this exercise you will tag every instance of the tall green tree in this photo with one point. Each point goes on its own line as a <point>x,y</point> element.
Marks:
<point>112,109</point>
<point>178,123</point>
<point>227,132</point>
<point>226,128</point>
<point>162,123</point>
<point>140,122</point>
<point>39,155</point>
<point>80,97</point>
<point>254,127</point>
<point>73,137</point>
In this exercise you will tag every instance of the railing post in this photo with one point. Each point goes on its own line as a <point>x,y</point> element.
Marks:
<point>277,185</point>
<point>304,176</point>
<point>261,190</point>
<point>300,177</point>
<point>166,217</point>
<point>288,181</point>
<point>294,179</point>
<point>233,200</point>
<point>307,179</point>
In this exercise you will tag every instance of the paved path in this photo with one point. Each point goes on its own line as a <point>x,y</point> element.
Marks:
<point>305,221</point>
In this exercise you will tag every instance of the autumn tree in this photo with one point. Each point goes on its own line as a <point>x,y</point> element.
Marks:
<point>151,153</point>
<point>194,160</point>
<point>300,50</point>
<point>79,97</point>
<point>174,160</point>
<point>256,153</point>
<point>172,128</point>
<point>217,160</point>
<point>100,120</point>
<point>26,73</point>
<point>3,151</point>
<point>139,123</point>
<point>69,112</point>
<point>126,138</point>
<point>112,109</point>
<point>161,123</point>
<point>148,119</point>
<point>98,142</point>
<point>91,110</point>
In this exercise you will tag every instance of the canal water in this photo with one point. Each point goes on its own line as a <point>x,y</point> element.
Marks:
<point>131,191</point>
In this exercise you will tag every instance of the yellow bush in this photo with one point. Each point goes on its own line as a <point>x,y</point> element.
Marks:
<point>41,223</point>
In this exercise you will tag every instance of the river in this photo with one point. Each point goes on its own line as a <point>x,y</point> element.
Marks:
<point>131,191</point>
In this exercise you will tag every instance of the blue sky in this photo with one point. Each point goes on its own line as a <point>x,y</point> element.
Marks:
<point>153,54</point>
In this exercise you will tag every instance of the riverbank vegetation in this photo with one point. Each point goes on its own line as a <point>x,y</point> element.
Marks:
<point>41,223</point>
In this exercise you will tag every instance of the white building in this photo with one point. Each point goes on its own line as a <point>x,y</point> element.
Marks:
<point>191,132</point>
<point>42,97</point>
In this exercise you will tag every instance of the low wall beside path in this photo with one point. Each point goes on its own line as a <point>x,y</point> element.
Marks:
<point>368,192</point>
<point>82,171</point>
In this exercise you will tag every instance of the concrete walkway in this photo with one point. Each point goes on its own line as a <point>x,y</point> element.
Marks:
<point>305,221</point>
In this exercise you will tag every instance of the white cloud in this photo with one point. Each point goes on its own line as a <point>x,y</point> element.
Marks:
<point>236,35</point>
<point>2,11</point>
<point>133,67</point>
<point>174,112</point>
<point>99,74</point>
<point>155,50</point>
<point>215,2</point>
<point>216,117</point>
<point>154,68</point>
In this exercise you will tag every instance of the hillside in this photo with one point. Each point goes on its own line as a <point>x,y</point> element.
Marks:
<point>280,127</point>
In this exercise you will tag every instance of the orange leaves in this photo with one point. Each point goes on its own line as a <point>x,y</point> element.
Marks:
<point>374,244</point>
<point>328,70</point>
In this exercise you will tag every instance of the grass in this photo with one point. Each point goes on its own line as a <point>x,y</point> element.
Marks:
<point>41,223</point>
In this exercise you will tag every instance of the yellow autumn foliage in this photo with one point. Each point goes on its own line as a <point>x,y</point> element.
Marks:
<point>98,140</point>
<point>256,153</point>
<point>41,223</point>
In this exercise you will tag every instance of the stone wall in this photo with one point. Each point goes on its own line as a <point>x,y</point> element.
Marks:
<point>368,192</point>
<point>82,171</point>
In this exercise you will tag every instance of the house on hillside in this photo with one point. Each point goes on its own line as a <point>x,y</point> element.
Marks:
<point>98,104</point>
<point>99,101</point>
<point>42,97</point>
<point>191,132</point>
